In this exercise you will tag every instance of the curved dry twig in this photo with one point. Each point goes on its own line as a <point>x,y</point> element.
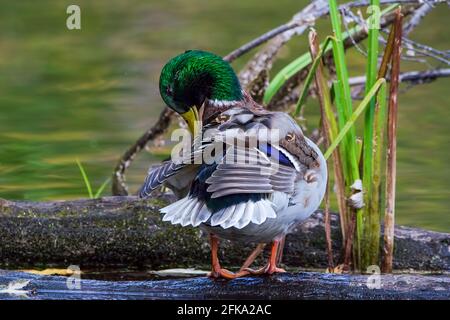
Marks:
<point>119,187</point>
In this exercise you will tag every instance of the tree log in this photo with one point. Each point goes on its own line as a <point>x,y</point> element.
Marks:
<point>304,285</point>
<point>117,232</point>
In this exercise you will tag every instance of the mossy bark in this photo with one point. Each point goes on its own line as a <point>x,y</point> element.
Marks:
<point>115,232</point>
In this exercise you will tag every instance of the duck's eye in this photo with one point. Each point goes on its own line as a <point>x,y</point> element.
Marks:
<point>169,91</point>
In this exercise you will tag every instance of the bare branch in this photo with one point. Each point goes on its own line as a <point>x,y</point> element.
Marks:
<point>288,93</point>
<point>417,17</point>
<point>258,41</point>
<point>428,51</point>
<point>383,2</point>
<point>119,186</point>
<point>414,77</point>
<point>294,23</point>
<point>253,74</point>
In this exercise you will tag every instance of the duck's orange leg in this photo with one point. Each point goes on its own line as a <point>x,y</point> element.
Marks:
<point>271,266</point>
<point>217,270</point>
<point>255,253</point>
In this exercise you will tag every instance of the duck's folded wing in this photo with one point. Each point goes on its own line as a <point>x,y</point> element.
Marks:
<point>158,175</point>
<point>257,174</point>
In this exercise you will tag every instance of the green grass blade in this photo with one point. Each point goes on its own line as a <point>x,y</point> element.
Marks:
<point>341,123</point>
<point>330,129</point>
<point>345,113</point>
<point>344,102</point>
<point>310,76</point>
<point>287,72</point>
<point>86,179</point>
<point>361,107</point>
<point>371,77</point>
<point>367,157</point>
<point>102,188</point>
<point>373,220</point>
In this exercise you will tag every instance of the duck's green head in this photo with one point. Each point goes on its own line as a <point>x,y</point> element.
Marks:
<point>188,79</point>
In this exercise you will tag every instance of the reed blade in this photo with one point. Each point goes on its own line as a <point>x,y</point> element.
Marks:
<point>85,179</point>
<point>391,167</point>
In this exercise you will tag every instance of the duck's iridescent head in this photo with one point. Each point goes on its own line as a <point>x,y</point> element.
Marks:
<point>188,79</point>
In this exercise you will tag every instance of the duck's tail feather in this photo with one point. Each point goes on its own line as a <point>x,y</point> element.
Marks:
<point>186,211</point>
<point>240,215</point>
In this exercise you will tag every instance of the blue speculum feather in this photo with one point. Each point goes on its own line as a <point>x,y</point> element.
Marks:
<point>273,153</point>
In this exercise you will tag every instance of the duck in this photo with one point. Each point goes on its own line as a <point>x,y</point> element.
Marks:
<point>250,176</point>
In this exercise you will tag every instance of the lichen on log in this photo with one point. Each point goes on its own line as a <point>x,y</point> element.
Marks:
<point>116,232</point>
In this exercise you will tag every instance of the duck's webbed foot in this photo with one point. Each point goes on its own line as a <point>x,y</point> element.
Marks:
<point>271,266</point>
<point>217,270</point>
<point>226,274</point>
<point>268,269</point>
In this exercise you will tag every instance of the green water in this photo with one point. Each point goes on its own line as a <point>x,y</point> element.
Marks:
<point>88,94</point>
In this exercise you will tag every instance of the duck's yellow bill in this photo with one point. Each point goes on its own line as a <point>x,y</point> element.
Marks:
<point>193,120</point>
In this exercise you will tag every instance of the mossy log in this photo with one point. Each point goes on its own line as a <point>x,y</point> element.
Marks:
<point>115,232</point>
<point>303,285</point>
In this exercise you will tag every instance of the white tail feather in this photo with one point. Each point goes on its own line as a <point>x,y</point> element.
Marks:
<point>181,211</point>
<point>187,216</point>
<point>222,216</point>
<point>246,216</point>
<point>194,216</point>
<point>203,216</point>
<point>191,211</point>
<point>178,218</point>
<point>237,215</point>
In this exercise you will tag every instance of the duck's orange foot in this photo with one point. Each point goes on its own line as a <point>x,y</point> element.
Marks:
<point>268,269</point>
<point>226,274</point>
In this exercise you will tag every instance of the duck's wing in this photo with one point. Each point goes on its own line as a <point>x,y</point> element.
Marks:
<point>249,183</point>
<point>274,164</point>
<point>157,175</point>
<point>257,173</point>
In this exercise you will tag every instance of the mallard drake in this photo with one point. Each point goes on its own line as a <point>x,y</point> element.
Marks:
<point>279,182</point>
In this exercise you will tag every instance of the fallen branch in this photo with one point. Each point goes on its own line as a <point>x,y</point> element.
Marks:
<point>311,285</point>
<point>128,232</point>
<point>412,77</point>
